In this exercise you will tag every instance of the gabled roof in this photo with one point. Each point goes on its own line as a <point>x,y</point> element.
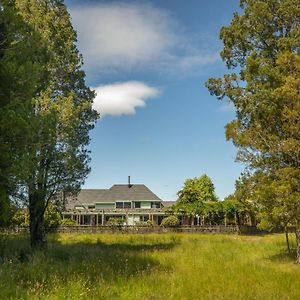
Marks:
<point>130,192</point>
<point>116,192</point>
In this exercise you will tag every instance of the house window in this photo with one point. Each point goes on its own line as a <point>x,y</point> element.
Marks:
<point>155,204</point>
<point>137,204</point>
<point>127,204</point>
<point>119,204</point>
<point>123,204</point>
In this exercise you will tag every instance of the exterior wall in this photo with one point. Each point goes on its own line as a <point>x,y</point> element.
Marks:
<point>105,205</point>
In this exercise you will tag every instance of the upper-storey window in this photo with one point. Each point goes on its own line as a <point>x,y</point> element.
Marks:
<point>137,204</point>
<point>155,204</point>
<point>123,204</point>
<point>127,204</point>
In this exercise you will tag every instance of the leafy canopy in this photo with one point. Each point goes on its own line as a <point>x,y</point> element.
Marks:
<point>46,107</point>
<point>262,46</point>
<point>195,192</point>
<point>199,189</point>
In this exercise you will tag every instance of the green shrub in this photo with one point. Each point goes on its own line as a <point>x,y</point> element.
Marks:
<point>68,222</point>
<point>171,221</point>
<point>52,217</point>
<point>147,223</point>
<point>115,222</point>
<point>21,218</point>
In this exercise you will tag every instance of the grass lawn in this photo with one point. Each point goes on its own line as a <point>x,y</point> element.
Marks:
<point>152,266</point>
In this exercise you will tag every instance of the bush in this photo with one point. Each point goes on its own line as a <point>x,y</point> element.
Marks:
<point>147,223</point>
<point>115,222</point>
<point>68,222</point>
<point>171,221</point>
<point>21,218</point>
<point>52,217</point>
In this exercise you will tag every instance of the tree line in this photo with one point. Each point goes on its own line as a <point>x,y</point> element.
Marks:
<point>197,201</point>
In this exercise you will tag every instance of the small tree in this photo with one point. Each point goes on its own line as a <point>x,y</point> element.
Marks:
<point>199,189</point>
<point>194,194</point>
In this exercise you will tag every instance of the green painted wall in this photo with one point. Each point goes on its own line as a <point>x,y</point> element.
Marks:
<point>145,204</point>
<point>104,205</point>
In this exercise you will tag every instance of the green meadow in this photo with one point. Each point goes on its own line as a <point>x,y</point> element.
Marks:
<point>152,266</point>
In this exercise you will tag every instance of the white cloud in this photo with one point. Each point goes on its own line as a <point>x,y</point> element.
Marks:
<point>122,98</point>
<point>121,36</point>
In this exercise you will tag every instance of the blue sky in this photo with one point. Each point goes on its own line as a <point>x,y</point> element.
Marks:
<point>148,62</point>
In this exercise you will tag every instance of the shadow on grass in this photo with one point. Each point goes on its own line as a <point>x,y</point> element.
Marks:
<point>284,256</point>
<point>92,263</point>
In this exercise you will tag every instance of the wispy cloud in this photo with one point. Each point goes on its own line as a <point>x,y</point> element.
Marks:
<point>123,98</point>
<point>118,36</point>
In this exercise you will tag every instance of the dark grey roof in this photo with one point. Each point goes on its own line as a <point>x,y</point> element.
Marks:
<point>168,203</point>
<point>134,192</point>
<point>116,192</point>
<point>86,196</point>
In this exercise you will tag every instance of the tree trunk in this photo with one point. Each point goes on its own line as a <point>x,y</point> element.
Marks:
<point>297,232</point>
<point>287,239</point>
<point>38,238</point>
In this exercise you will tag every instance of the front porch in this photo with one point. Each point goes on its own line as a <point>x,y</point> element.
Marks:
<point>130,217</point>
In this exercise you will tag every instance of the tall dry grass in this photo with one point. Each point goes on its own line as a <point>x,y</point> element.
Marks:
<point>152,266</point>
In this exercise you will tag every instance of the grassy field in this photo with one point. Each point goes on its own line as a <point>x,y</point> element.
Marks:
<point>154,266</point>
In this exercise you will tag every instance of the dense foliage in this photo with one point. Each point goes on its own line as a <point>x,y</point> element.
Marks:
<point>115,222</point>
<point>19,72</point>
<point>52,217</point>
<point>197,199</point>
<point>263,45</point>
<point>170,221</point>
<point>68,222</point>
<point>194,193</point>
<point>46,108</point>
